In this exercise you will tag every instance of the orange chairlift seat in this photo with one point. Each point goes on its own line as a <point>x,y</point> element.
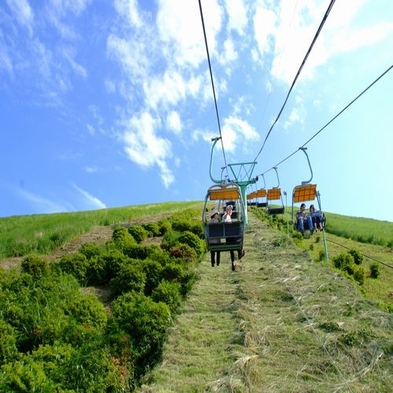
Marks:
<point>274,194</point>
<point>307,192</point>
<point>224,236</point>
<point>250,197</point>
<point>261,193</point>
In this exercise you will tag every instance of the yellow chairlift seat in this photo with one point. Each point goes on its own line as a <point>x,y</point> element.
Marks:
<point>261,193</point>
<point>304,193</point>
<point>274,194</point>
<point>250,197</point>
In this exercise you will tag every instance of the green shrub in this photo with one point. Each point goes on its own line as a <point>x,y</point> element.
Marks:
<point>8,349</point>
<point>122,238</point>
<point>129,278</point>
<point>97,271</point>
<point>184,224</point>
<point>173,272</point>
<point>76,265</point>
<point>357,256</point>
<point>61,368</point>
<point>169,293</point>
<point>136,251</point>
<point>170,239</point>
<point>156,253</point>
<point>374,270</point>
<point>152,229</point>
<point>113,259</point>
<point>35,266</point>
<point>194,242</point>
<point>87,310</point>
<point>164,226</point>
<point>359,275</point>
<point>343,261</point>
<point>146,323</point>
<point>91,250</point>
<point>185,252</point>
<point>138,233</point>
<point>153,272</point>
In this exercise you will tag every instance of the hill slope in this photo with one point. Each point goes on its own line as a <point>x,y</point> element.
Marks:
<point>279,323</point>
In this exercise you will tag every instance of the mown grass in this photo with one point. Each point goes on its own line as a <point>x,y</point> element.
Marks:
<point>281,323</point>
<point>284,321</point>
<point>42,233</point>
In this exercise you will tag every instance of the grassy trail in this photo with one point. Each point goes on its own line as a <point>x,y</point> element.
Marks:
<point>280,323</point>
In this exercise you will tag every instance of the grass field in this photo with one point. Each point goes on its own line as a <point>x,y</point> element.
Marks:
<point>285,320</point>
<point>281,323</point>
<point>42,233</point>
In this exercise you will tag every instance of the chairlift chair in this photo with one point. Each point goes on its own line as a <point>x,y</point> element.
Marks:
<point>261,193</point>
<point>306,192</point>
<point>224,236</point>
<point>274,194</point>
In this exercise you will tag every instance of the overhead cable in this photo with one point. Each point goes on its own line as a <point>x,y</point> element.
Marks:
<point>297,74</point>
<point>212,82</point>
<point>367,256</point>
<point>334,118</point>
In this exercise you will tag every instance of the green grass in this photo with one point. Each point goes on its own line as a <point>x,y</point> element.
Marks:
<point>282,322</point>
<point>363,230</point>
<point>42,233</point>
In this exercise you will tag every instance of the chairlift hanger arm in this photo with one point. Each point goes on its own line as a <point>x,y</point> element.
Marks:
<point>278,179</point>
<point>214,140</point>
<point>309,164</point>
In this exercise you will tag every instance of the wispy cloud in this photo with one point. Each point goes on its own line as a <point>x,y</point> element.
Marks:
<point>41,204</point>
<point>89,201</point>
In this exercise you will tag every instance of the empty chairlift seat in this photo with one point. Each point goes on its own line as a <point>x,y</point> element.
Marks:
<point>274,194</point>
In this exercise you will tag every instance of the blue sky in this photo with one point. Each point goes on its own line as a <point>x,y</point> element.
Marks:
<point>109,103</point>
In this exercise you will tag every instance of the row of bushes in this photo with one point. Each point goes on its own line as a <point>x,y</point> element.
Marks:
<point>54,336</point>
<point>348,262</point>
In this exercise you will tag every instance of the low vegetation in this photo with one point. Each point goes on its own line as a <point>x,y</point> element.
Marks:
<point>144,311</point>
<point>42,233</point>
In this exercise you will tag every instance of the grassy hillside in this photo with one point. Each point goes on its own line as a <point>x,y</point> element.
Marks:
<point>286,320</point>
<point>280,323</point>
<point>42,233</point>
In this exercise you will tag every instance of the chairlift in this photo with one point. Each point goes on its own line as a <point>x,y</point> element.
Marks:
<point>224,236</point>
<point>274,194</point>
<point>307,192</point>
<point>250,198</point>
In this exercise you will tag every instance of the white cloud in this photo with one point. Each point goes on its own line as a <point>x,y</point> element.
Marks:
<point>90,169</point>
<point>289,36</point>
<point>236,132</point>
<point>264,28</point>
<point>174,122</point>
<point>89,202</point>
<point>165,90</point>
<point>23,13</point>
<point>179,28</point>
<point>294,117</point>
<point>237,14</point>
<point>41,204</point>
<point>129,10</point>
<point>145,147</point>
